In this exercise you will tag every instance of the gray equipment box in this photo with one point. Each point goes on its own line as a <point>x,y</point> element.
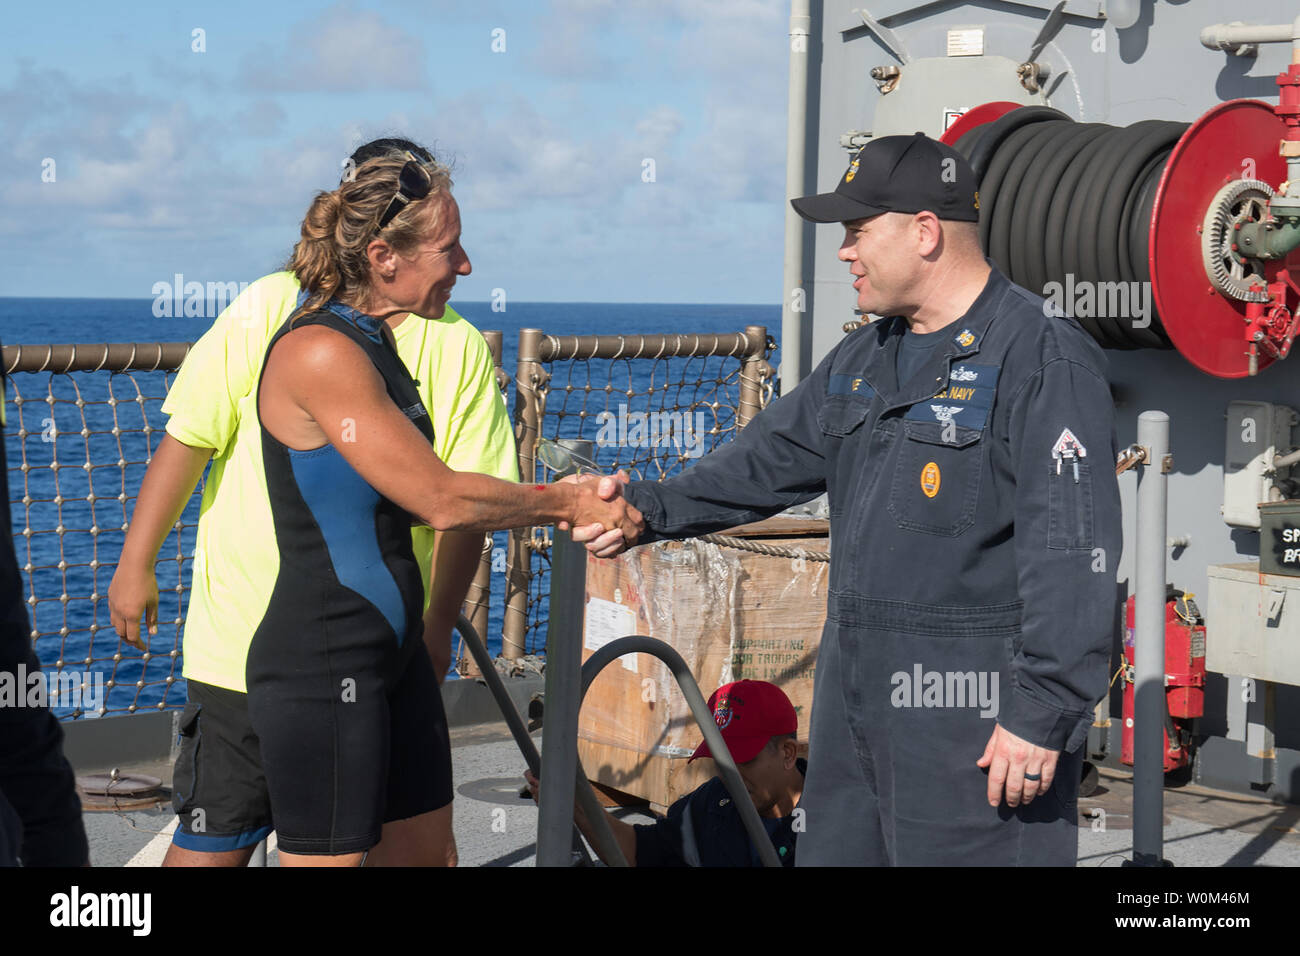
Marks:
<point>1253,624</point>
<point>1279,537</point>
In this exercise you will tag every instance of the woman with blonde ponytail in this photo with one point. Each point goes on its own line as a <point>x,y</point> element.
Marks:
<point>327,527</point>
<point>348,451</point>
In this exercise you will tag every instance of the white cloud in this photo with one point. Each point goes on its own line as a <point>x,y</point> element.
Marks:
<point>340,50</point>
<point>548,173</point>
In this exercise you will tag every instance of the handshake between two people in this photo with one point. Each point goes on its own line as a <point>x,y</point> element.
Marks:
<point>605,521</point>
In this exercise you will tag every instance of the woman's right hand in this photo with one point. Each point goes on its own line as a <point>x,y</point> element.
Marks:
<point>133,592</point>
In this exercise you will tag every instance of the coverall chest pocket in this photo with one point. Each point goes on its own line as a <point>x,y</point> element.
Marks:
<point>937,480</point>
<point>841,415</point>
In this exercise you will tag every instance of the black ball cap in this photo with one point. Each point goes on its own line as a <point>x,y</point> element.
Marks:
<point>899,174</point>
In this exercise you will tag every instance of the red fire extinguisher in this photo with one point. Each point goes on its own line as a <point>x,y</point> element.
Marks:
<point>1184,677</point>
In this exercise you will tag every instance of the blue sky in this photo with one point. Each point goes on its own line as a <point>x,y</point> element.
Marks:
<point>168,160</point>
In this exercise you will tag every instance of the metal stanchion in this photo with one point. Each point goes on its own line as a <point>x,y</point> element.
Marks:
<point>563,680</point>
<point>563,695</point>
<point>1149,638</point>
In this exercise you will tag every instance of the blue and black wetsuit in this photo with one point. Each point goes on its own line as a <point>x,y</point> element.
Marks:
<point>343,705</point>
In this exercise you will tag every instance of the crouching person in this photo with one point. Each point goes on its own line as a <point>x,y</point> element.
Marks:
<point>704,827</point>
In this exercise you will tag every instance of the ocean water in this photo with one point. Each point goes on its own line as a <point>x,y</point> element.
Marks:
<point>76,633</point>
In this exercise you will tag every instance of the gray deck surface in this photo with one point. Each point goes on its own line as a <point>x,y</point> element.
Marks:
<point>495,827</point>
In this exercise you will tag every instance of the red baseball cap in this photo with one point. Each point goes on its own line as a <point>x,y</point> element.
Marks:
<point>749,713</point>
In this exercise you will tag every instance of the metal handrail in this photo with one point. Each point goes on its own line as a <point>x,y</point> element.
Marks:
<point>519,730</point>
<point>539,352</point>
<point>641,644</point>
<point>748,344</point>
<point>98,449</point>
<point>83,357</point>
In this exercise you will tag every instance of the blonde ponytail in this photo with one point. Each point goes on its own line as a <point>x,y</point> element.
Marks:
<point>315,259</point>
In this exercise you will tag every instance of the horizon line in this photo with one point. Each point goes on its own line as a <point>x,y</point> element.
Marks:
<point>452,303</point>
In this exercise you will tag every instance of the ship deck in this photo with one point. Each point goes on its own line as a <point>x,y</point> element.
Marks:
<point>1203,827</point>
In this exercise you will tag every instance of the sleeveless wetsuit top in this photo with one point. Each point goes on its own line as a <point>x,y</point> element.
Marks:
<point>348,598</point>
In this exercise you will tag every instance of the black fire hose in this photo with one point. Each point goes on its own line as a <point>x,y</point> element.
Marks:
<point>1070,203</point>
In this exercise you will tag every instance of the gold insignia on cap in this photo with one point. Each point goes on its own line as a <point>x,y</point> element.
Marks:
<point>853,170</point>
<point>977,199</point>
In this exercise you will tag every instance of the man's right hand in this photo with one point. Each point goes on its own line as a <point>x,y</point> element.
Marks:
<point>133,593</point>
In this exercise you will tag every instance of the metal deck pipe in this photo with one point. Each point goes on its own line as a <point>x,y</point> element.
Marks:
<point>1149,638</point>
<point>794,295</point>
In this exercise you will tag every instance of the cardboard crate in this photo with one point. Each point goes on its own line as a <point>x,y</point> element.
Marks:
<point>731,614</point>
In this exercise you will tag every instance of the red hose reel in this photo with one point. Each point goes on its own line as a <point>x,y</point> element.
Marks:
<point>1233,142</point>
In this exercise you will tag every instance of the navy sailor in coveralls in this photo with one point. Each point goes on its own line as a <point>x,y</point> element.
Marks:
<point>966,444</point>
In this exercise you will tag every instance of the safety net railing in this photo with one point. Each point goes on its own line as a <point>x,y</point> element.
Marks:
<point>83,423</point>
<point>647,404</point>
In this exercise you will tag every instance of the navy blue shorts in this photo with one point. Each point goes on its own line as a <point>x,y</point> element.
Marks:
<point>323,772</point>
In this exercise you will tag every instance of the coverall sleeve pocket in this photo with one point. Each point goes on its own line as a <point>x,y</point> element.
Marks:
<point>842,414</point>
<point>937,482</point>
<point>1069,508</point>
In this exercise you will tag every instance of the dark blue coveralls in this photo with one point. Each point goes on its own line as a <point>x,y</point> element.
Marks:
<point>972,575</point>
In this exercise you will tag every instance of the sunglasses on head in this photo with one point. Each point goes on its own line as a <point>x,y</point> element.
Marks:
<point>413,182</point>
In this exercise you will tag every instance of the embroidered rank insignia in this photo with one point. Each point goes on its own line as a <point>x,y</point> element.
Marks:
<point>1067,445</point>
<point>930,479</point>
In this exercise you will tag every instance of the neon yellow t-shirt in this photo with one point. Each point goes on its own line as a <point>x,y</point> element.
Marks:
<point>213,404</point>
